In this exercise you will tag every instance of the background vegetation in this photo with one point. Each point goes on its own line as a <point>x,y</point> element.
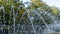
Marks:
<point>20,8</point>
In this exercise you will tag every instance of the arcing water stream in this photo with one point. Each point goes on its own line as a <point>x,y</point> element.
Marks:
<point>31,28</point>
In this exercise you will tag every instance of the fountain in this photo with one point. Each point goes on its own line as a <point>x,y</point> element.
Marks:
<point>31,28</point>
<point>54,27</point>
<point>14,17</point>
<point>31,18</point>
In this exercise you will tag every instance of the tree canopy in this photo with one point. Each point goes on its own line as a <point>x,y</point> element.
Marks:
<point>20,8</point>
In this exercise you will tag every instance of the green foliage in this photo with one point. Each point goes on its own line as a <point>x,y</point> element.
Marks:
<point>43,6</point>
<point>33,6</point>
<point>7,7</point>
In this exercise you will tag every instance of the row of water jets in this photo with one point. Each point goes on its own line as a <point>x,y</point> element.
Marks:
<point>47,28</point>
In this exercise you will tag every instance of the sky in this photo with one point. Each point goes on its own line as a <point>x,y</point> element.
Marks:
<point>53,2</point>
<point>25,0</point>
<point>50,2</point>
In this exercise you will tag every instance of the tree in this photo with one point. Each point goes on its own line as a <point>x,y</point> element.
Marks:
<point>43,6</point>
<point>54,10</point>
<point>18,8</point>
